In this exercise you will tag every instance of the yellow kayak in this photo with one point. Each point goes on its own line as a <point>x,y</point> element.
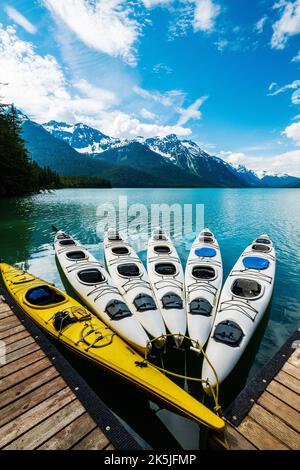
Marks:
<point>74,326</point>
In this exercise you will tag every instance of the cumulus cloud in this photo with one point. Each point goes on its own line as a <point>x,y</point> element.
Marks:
<point>288,24</point>
<point>37,85</point>
<point>191,112</point>
<point>146,114</point>
<point>206,12</point>
<point>105,25</point>
<point>20,20</point>
<point>293,132</point>
<point>288,162</point>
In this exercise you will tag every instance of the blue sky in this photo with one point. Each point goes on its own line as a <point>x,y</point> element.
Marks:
<point>224,73</point>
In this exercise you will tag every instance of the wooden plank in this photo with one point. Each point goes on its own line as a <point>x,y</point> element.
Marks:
<point>23,374</point>
<point>6,313</point>
<point>21,363</point>
<point>5,307</point>
<point>236,440</point>
<point>280,409</point>
<point>292,370</point>
<point>259,437</point>
<point>8,323</point>
<point>21,352</point>
<point>95,440</point>
<point>284,394</point>
<point>294,359</point>
<point>27,385</point>
<point>71,434</point>
<point>275,426</point>
<point>288,381</point>
<point>45,430</point>
<point>109,447</point>
<point>34,416</point>
<point>20,406</point>
<point>12,331</point>
<point>19,344</point>
<point>16,337</point>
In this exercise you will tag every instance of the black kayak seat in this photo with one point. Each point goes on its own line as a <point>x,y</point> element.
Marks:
<point>200,306</point>
<point>144,302</point>
<point>76,255</point>
<point>162,249</point>
<point>120,250</point>
<point>129,270</point>
<point>117,310</point>
<point>91,276</point>
<point>228,332</point>
<point>171,300</point>
<point>261,247</point>
<point>67,242</point>
<point>165,269</point>
<point>203,272</point>
<point>246,288</point>
<point>264,241</point>
<point>42,296</point>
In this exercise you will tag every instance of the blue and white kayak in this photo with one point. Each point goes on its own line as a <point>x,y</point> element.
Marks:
<point>94,286</point>
<point>203,282</point>
<point>243,302</point>
<point>167,280</point>
<point>130,276</point>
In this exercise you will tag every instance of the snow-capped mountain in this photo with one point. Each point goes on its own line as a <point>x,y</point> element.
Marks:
<point>83,138</point>
<point>155,152</point>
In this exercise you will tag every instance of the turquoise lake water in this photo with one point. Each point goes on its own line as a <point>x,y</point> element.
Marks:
<point>236,216</point>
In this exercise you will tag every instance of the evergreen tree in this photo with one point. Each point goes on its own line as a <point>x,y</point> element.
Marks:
<point>19,176</point>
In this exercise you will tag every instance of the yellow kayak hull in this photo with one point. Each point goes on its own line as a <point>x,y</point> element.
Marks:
<point>111,352</point>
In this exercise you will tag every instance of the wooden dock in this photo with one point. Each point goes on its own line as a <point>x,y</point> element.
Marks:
<point>44,403</point>
<point>266,414</point>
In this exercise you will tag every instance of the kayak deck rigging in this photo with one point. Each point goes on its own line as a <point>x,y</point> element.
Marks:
<point>239,306</point>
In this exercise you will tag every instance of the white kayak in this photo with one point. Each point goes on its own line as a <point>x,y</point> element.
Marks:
<point>243,302</point>
<point>167,280</point>
<point>130,276</point>
<point>203,282</point>
<point>97,291</point>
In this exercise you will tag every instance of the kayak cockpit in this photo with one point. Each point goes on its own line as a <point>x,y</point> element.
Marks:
<point>129,270</point>
<point>44,296</point>
<point>162,249</point>
<point>91,276</point>
<point>203,272</point>
<point>246,288</point>
<point>229,333</point>
<point>120,250</point>
<point>165,269</point>
<point>77,255</point>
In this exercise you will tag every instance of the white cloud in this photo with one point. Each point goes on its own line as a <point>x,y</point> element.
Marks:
<point>293,132</point>
<point>19,19</point>
<point>155,3</point>
<point>295,85</point>
<point>192,112</point>
<point>288,162</point>
<point>221,44</point>
<point>104,25</point>
<point>169,98</point>
<point>259,27</point>
<point>206,12</point>
<point>37,85</point>
<point>122,125</point>
<point>296,58</point>
<point>272,86</point>
<point>162,68</point>
<point>288,24</point>
<point>146,114</point>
